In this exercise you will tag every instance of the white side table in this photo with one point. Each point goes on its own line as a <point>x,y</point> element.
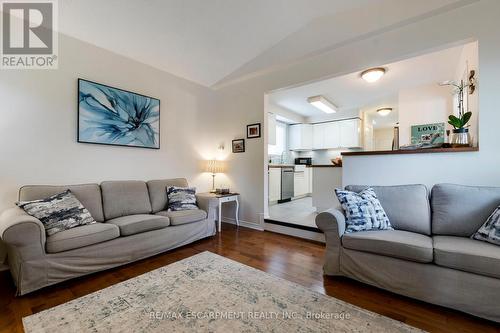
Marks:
<point>223,198</point>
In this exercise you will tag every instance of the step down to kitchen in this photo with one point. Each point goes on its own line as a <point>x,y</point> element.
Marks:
<point>292,225</point>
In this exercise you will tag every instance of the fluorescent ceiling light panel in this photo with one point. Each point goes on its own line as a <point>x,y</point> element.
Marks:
<point>322,103</point>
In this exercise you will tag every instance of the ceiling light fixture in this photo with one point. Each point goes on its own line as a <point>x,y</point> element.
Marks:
<point>384,111</point>
<point>373,74</point>
<point>322,103</point>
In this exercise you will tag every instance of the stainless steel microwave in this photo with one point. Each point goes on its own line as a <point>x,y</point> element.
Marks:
<point>303,161</point>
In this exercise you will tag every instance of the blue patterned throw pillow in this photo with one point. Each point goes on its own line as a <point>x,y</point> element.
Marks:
<point>490,230</point>
<point>59,212</point>
<point>363,211</point>
<point>181,198</point>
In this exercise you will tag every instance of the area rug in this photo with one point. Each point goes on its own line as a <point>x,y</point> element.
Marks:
<point>208,293</point>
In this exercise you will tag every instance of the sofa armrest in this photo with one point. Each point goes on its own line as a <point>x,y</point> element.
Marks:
<point>23,232</point>
<point>207,203</point>
<point>332,223</point>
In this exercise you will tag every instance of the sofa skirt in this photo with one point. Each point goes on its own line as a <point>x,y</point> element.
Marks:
<point>57,267</point>
<point>468,292</point>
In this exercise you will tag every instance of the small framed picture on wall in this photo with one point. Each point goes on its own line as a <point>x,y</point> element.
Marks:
<point>239,146</point>
<point>253,131</point>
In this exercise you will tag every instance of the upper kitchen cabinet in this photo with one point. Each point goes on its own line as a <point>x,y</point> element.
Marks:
<point>301,137</point>
<point>333,134</point>
<point>337,134</point>
<point>350,133</point>
<point>271,128</point>
<point>319,132</point>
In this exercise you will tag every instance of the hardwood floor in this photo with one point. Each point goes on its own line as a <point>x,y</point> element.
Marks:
<point>291,258</point>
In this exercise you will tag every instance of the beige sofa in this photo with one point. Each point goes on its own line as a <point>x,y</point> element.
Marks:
<point>132,223</point>
<point>430,255</point>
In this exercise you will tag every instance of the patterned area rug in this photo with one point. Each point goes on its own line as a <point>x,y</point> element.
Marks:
<point>208,293</point>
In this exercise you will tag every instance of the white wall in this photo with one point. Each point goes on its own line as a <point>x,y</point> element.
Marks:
<point>382,138</point>
<point>38,124</point>
<point>480,21</point>
<point>292,116</point>
<point>468,62</point>
<point>422,105</point>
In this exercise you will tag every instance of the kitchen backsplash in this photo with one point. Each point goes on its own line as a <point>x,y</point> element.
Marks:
<point>322,156</point>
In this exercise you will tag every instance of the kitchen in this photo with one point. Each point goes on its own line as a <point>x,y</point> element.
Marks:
<point>305,165</point>
<point>378,110</point>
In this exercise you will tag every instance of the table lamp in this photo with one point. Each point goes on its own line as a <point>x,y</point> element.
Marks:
<point>214,167</point>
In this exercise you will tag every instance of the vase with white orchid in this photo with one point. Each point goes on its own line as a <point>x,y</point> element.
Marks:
<point>461,136</point>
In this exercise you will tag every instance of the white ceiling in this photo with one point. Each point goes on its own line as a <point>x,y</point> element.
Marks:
<point>201,40</point>
<point>350,93</point>
<point>210,41</point>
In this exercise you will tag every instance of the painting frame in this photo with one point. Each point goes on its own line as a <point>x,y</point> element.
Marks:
<point>251,127</point>
<point>79,117</point>
<point>238,149</point>
<point>424,133</point>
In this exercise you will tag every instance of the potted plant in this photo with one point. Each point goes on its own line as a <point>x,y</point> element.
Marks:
<point>460,136</point>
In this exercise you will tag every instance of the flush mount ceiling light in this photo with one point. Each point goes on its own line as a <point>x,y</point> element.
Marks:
<point>384,111</point>
<point>373,74</point>
<point>322,103</point>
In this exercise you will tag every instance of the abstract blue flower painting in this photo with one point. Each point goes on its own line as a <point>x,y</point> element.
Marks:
<point>113,116</point>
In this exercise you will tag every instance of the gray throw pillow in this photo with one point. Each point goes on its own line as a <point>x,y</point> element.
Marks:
<point>59,212</point>
<point>181,198</point>
<point>490,230</point>
<point>363,211</point>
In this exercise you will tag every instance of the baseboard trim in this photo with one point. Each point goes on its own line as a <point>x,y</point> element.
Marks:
<point>293,225</point>
<point>294,232</point>
<point>245,224</point>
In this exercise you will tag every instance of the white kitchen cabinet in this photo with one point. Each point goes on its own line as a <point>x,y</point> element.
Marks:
<point>337,134</point>
<point>350,133</point>
<point>300,181</point>
<point>310,180</point>
<point>319,136</point>
<point>301,137</point>
<point>271,128</point>
<point>332,134</point>
<point>274,184</point>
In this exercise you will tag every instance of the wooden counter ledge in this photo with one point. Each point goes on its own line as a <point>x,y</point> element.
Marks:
<point>416,151</point>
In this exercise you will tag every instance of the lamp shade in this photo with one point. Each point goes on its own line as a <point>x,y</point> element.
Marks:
<point>214,166</point>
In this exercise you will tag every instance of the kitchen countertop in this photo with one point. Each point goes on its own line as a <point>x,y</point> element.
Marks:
<point>324,166</point>
<point>308,166</point>
<point>281,165</point>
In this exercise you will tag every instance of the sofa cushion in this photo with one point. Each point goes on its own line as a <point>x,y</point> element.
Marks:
<point>59,212</point>
<point>407,206</point>
<point>490,230</point>
<point>81,236</point>
<point>181,198</point>
<point>467,254</point>
<point>391,243</point>
<point>135,224</point>
<point>363,211</point>
<point>123,198</point>
<point>184,216</point>
<point>158,191</point>
<point>88,194</point>
<point>459,210</point>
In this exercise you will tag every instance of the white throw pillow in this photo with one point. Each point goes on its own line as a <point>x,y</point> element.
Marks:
<point>490,230</point>
<point>363,211</point>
